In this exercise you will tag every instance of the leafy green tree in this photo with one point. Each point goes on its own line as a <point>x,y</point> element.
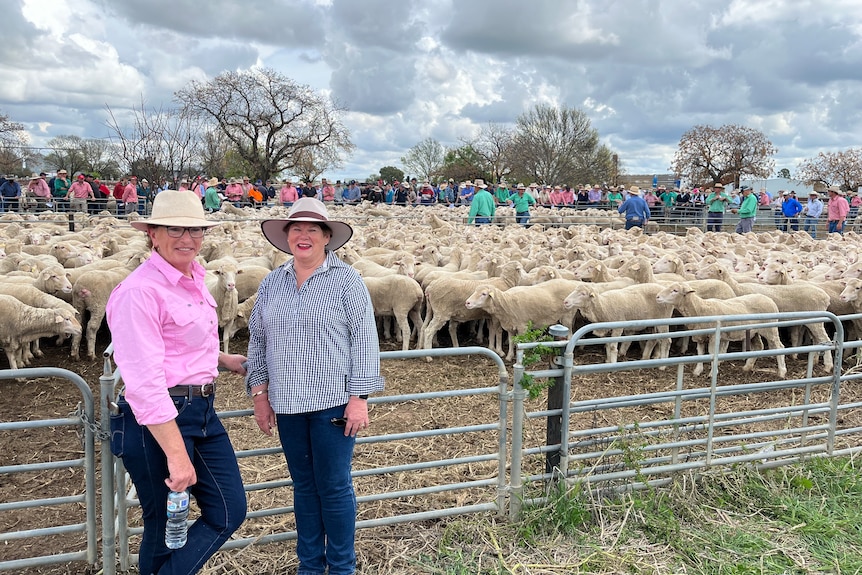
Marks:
<point>391,174</point>
<point>463,164</point>
<point>784,173</point>
<point>724,154</point>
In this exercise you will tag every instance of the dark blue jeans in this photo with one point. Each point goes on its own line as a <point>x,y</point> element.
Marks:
<point>522,218</point>
<point>319,458</point>
<point>219,491</point>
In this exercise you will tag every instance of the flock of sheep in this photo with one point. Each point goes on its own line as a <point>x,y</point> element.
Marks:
<point>426,269</point>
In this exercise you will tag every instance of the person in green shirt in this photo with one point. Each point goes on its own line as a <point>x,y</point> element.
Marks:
<point>521,202</point>
<point>212,201</point>
<point>716,202</point>
<point>482,208</point>
<point>60,191</point>
<point>615,198</point>
<point>747,210</point>
<point>502,193</point>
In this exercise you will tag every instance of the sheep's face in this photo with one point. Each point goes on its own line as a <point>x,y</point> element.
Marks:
<point>479,298</point>
<point>851,292</point>
<point>671,295</point>
<point>580,297</point>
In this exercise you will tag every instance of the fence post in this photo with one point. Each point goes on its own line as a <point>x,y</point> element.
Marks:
<point>556,401</point>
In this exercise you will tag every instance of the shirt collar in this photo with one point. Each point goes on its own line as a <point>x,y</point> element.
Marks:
<point>171,273</point>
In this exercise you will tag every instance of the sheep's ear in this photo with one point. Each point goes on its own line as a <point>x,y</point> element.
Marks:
<point>490,294</point>
<point>59,319</point>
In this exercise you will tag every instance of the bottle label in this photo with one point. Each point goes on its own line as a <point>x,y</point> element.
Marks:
<point>176,505</point>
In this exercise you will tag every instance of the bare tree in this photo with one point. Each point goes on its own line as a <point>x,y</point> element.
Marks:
<point>842,169</point>
<point>78,154</point>
<point>558,145</point>
<point>494,145</point>
<point>724,154</point>
<point>160,143</point>
<point>311,163</point>
<point>268,119</point>
<point>425,159</point>
<point>13,146</point>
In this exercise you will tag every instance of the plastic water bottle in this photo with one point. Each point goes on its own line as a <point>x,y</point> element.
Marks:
<point>176,531</point>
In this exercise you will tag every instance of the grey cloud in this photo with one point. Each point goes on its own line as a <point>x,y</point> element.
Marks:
<point>374,81</point>
<point>284,23</point>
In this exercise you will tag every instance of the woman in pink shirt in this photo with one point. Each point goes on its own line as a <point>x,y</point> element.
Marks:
<point>164,426</point>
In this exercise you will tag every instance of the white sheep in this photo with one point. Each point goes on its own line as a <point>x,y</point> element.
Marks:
<point>631,303</point>
<point>684,298</point>
<point>221,282</point>
<point>400,297</point>
<point>21,324</point>
<point>517,307</point>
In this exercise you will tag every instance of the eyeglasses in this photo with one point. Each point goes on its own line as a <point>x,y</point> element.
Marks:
<point>177,232</point>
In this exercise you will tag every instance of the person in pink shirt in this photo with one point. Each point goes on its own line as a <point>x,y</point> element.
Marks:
<point>164,426</point>
<point>288,194</point>
<point>38,189</point>
<point>78,194</point>
<point>327,191</point>
<point>130,196</point>
<point>567,197</point>
<point>556,197</point>
<point>234,192</point>
<point>764,199</point>
<point>837,210</point>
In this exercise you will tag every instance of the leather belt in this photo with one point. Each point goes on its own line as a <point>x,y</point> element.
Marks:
<point>205,390</point>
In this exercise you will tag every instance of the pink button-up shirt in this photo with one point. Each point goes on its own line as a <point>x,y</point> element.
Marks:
<point>39,188</point>
<point>837,209</point>
<point>288,194</point>
<point>80,189</point>
<point>165,333</point>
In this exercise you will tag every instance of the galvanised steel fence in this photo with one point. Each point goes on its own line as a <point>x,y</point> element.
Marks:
<point>603,440</point>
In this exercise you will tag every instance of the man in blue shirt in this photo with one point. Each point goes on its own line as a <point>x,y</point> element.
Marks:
<point>635,208</point>
<point>352,195</point>
<point>791,208</point>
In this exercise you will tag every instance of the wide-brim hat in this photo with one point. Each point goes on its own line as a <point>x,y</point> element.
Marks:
<point>718,185</point>
<point>212,182</point>
<point>635,190</point>
<point>306,210</point>
<point>176,208</point>
<point>836,190</point>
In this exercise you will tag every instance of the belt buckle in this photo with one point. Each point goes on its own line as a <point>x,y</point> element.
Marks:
<point>207,389</point>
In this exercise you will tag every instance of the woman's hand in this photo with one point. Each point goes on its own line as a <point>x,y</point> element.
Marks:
<point>232,362</point>
<point>264,415</point>
<point>356,414</point>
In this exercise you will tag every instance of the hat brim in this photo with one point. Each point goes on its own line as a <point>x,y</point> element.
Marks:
<point>180,222</point>
<point>274,232</point>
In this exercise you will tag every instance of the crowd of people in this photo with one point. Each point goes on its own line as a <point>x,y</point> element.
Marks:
<point>85,192</point>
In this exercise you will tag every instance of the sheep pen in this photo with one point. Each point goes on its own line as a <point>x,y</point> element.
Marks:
<point>392,549</point>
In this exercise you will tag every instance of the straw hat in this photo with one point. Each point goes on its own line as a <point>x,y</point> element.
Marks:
<point>212,182</point>
<point>174,208</point>
<point>835,190</point>
<point>635,190</point>
<point>305,210</point>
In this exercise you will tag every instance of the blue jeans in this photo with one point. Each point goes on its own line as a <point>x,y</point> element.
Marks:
<point>319,458</point>
<point>833,227</point>
<point>630,223</point>
<point>522,218</point>
<point>219,491</point>
<point>482,220</point>
<point>714,221</point>
<point>810,226</point>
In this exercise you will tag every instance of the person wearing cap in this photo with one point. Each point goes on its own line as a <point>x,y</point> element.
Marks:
<point>130,196</point>
<point>790,209</point>
<point>10,193</point>
<point>521,201</point>
<point>747,210</point>
<point>313,359</point>
<point>812,211</point>
<point>482,206</point>
<point>716,204</point>
<point>144,195</point>
<point>78,194</point>
<point>61,188</point>
<point>39,190</point>
<point>855,202</point>
<point>164,331</point>
<point>635,209</point>
<point>837,210</point>
<point>352,195</point>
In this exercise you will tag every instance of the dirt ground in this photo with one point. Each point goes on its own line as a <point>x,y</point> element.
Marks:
<point>394,549</point>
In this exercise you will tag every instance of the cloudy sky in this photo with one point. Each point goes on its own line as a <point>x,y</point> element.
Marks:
<point>644,71</point>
